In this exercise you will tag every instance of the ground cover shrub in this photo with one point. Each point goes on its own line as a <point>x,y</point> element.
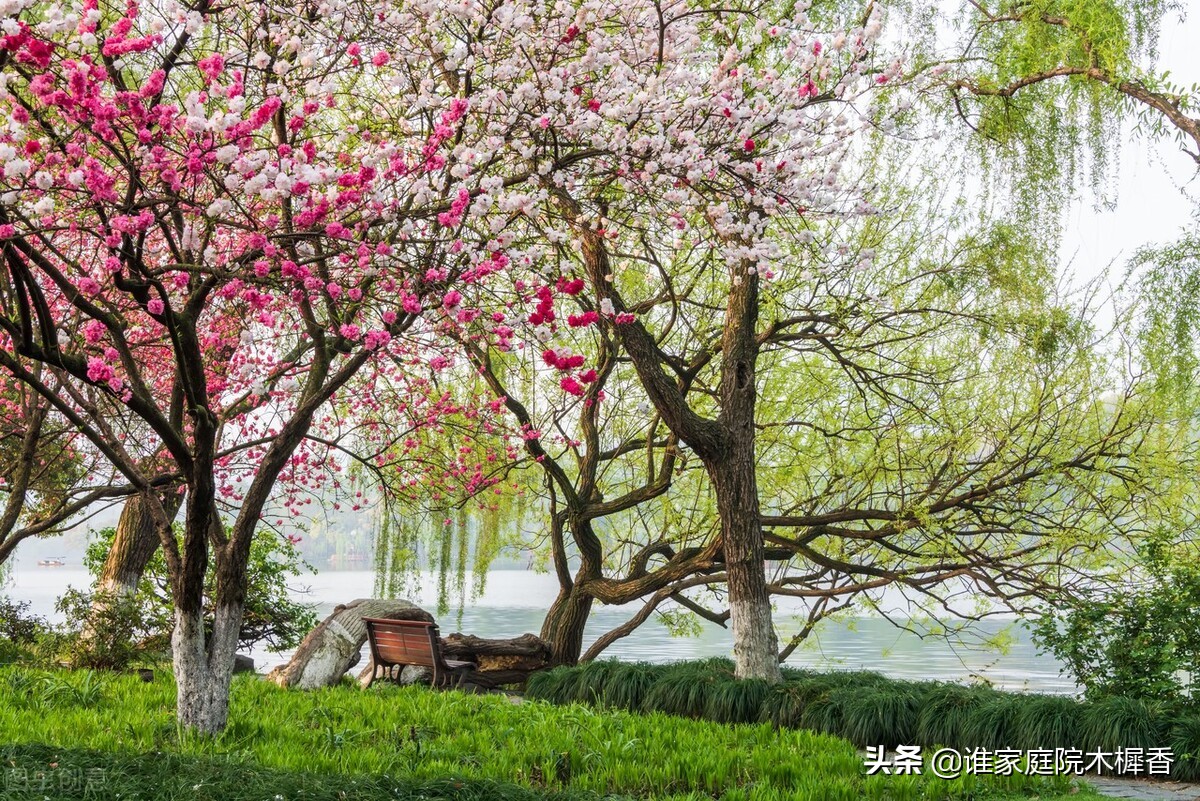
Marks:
<point>118,631</point>
<point>418,738</point>
<point>1125,722</point>
<point>870,709</point>
<point>1184,739</point>
<point>1046,721</point>
<point>990,724</point>
<point>943,714</point>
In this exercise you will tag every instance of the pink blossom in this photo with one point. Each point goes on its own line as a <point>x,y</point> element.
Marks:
<point>99,371</point>
<point>376,339</point>
<point>93,331</point>
<point>212,65</point>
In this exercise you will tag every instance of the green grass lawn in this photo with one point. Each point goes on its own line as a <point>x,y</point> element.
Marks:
<point>87,735</point>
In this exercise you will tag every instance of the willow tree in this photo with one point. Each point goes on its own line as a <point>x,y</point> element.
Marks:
<point>943,421</point>
<point>1056,85</point>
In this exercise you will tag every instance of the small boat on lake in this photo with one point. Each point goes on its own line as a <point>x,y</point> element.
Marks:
<point>52,562</point>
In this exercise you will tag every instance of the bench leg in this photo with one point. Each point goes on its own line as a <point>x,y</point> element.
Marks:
<point>374,675</point>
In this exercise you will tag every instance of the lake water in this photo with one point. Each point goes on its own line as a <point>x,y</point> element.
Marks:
<point>515,602</point>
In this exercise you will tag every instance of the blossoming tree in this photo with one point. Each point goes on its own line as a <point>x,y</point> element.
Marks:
<point>201,246</point>
<point>664,124</point>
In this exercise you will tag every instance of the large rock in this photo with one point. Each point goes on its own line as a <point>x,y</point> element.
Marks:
<point>335,646</point>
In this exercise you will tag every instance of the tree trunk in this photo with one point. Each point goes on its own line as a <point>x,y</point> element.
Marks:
<point>133,546</point>
<point>135,543</point>
<point>755,646</point>
<point>725,445</point>
<point>204,671</point>
<point>734,477</point>
<point>564,625</point>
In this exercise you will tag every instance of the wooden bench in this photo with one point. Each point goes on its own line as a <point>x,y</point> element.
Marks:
<point>396,643</point>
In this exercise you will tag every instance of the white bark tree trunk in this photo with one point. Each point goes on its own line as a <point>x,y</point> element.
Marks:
<point>204,671</point>
<point>755,646</point>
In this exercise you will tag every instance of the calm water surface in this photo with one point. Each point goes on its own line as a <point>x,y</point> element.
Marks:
<point>515,601</point>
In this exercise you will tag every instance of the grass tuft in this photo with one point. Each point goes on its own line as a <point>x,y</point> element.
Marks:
<point>1121,723</point>
<point>1046,721</point>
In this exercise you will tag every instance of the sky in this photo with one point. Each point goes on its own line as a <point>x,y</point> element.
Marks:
<point>1157,187</point>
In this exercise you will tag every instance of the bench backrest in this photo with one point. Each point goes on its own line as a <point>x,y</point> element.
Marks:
<point>404,642</point>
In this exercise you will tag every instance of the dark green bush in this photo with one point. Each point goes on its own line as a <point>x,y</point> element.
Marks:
<point>17,626</point>
<point>1184,741</point>
<point>120,632</point>
<point>945,710</point>
<point>989,724</point>
<point>881,716</point>
<point>627,684</point>
<point>732,701</point>
<point>824,712</point>
<point>683,691</point>
<point>116,631</point>
<point>1138,640</point>
<point>19,631</point>
<point>1124,722</point>
<point>272,617</point>
<point>1046,721</point>
<point>784,706</point>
